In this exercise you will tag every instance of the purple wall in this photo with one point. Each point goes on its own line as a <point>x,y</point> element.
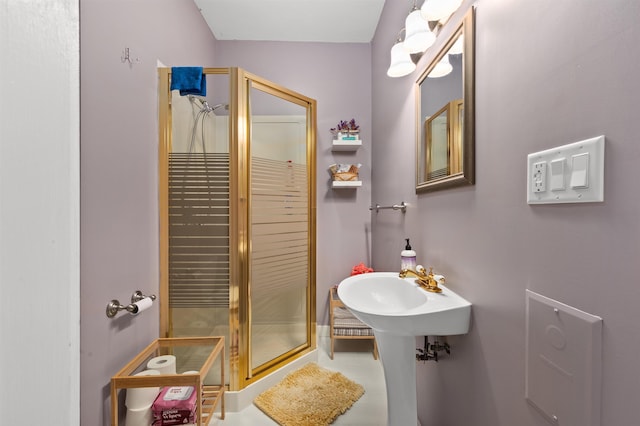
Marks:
<point>548,73</point>
<point>119,184</point>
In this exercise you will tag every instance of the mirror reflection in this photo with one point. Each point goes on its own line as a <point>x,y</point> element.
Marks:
<point>444,96</point>
<point>442,132</point>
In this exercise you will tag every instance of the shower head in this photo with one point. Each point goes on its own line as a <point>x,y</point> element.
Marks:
<point>207,108</point>
<point>196,98</point>
<point>215,107</point>
<point>204,105</point>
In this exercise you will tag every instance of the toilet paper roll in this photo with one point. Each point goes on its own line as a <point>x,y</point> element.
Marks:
<point>191,372</point>
<point>165,364</point>
<point>139,417</point>
<point>141,305</point>
<point>138,398</point>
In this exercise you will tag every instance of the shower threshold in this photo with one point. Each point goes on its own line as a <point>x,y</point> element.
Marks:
<point>238,400</point>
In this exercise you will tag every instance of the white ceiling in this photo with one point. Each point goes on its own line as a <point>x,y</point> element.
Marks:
<point>336,21</point>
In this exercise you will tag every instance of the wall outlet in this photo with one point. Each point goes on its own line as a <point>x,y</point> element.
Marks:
<point>539,177</point>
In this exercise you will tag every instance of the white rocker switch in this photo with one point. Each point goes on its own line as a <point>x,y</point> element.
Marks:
<point>557,174</point>
<point>580,171</point>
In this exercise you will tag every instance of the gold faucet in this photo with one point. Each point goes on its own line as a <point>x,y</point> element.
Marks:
<point>424,280</point>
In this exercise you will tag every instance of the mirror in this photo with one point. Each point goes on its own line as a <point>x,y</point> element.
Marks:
<point>445,143</point>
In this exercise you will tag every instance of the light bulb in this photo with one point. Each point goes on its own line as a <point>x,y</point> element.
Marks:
<point>401,63</point>
<point>442,68</point>
<point>418,37</point>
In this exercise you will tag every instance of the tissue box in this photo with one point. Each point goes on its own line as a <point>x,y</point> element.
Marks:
<point>175,405</point>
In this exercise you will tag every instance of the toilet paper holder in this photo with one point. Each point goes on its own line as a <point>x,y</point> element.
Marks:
<point>114,306</point>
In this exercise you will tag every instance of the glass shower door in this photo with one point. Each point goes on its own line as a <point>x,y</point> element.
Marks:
<point>279,227</point>
<point>237,220</point>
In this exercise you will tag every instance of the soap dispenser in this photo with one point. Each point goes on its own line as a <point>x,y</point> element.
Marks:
<point>408,257</point>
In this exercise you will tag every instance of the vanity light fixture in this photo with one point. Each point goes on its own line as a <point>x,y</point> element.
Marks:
<point>439,10</point>
<point>418,36</point>
<point>401,63</point>
<point>442,68</point>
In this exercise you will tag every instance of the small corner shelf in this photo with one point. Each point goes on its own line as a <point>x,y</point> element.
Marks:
<point>346,145</point>
<point>208,395</point>
<point>346,184</point>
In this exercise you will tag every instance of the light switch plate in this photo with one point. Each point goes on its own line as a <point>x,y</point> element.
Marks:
<point>562,189</point>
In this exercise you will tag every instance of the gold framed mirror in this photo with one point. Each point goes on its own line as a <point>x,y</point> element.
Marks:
<point>445,136</point>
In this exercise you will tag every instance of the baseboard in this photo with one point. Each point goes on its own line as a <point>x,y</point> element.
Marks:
<point>323,330</point>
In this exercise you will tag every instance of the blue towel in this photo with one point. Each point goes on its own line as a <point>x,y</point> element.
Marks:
<point>189,81</point>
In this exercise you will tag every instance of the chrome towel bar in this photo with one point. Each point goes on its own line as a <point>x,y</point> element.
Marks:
<point>402,207</point>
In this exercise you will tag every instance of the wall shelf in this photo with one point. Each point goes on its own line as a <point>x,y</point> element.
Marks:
<point>346,184</point>
<point>346,145</point>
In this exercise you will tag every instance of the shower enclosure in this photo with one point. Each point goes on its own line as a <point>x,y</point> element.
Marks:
<point>237,220</point>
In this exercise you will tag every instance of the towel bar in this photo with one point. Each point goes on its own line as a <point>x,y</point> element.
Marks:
<point>402,207</point>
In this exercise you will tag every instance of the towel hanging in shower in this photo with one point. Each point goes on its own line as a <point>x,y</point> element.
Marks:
<point>189,81</point>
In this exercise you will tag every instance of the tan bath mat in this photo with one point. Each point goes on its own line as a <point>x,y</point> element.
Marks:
<point>310,396</point>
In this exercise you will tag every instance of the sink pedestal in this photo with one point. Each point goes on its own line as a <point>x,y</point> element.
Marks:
<point>397,310</point>
<point>398,354</point>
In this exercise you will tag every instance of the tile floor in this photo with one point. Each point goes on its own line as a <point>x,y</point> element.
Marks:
<point>352,358</point>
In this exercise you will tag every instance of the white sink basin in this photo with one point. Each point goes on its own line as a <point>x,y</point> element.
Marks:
<point>397,310</point>
<point>396,305</point>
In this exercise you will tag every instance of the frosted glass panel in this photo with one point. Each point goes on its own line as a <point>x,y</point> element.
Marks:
<point>279,227</point>
<point>198,199</point>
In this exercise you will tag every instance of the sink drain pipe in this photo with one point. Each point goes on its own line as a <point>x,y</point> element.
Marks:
<point>429,352</point>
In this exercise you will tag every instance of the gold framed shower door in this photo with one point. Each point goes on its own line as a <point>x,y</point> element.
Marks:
<point>243,195</point>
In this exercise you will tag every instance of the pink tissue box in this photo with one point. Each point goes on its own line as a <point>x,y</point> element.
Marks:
<point>175,405</point>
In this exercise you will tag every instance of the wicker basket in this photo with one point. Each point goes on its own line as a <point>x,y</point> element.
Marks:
<point>350,175</point>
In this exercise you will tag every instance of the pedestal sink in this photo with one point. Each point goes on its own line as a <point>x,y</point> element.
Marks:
<point>397,310</point>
